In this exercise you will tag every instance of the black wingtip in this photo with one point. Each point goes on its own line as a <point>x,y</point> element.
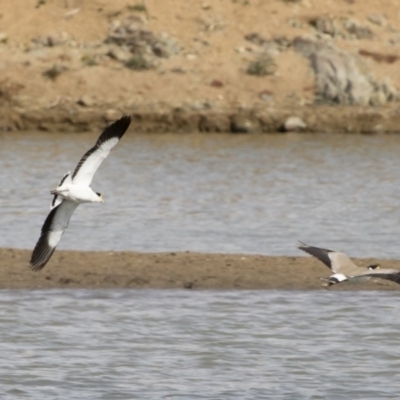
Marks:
<point>122,123</point>
<point>41,254</point>
<point>301,245</point>
<point>117,128</point>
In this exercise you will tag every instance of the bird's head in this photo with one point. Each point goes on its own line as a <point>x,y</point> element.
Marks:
<point>373,266</point>
<point>100,197</point>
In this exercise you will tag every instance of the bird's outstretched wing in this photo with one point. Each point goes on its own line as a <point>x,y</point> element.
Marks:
<point>336,261</point>
<point>52,230</point>
<point>319,253</point>
<point>90,162</point>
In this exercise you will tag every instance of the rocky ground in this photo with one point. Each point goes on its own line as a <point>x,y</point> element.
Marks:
<point>74,269</point>
<point>226,65</point>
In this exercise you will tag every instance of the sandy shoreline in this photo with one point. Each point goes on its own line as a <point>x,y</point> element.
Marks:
<point>186,270</point>
<point>227,66</point>
<point>318,119</point>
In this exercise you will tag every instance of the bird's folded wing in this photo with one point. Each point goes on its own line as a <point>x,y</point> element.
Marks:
<point>52,230</point>
<point>388,274</point>
<point>90,162</point>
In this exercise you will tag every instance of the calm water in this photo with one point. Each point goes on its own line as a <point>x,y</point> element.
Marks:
<point>212,193</point>
<point>131,344</point>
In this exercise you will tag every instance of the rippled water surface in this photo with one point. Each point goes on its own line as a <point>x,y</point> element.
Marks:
<point>131,344</point>
<point>211,193</point>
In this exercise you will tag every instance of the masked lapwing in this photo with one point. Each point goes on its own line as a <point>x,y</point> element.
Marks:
<point>345,270</point>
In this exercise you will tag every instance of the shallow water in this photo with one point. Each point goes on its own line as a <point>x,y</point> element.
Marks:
<point>212,193</point>
<point>132,344</point>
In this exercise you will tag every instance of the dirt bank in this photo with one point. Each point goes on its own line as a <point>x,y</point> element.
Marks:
<point>73,269</point>
<point>231,65</point>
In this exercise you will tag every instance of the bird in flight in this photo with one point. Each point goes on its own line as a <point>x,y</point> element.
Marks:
<point>345,270</point>
<point>73,190</point>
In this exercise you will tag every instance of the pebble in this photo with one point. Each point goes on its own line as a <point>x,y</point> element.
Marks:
<point>294,124</point>
<point>3,37</point>
<point>86,101</point>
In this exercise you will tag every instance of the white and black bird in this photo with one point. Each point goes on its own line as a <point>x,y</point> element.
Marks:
<point>73,190</point>
<point>345,270</point>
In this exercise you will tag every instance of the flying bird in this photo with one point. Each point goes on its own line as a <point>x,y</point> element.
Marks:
<point>345,270</point>
<point>73,190</point>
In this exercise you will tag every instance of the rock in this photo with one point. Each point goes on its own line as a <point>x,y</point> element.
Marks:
<point>198,105</point>
<point>241,123</point>
<point>38,53</point>
<point>41,41</point>
<point>256,38</point>
<point>395,41</point>
<point>111,115</point>
<point>119,54</point>
<point>3,37</point>
<point>86,101</point>
<point>338,78</point>
<point>241,50</point>
<point>214,122</point>
<point>294,124</point>
<point>342,77</point>
<point>325,25</point>
<point>345,28</point>
<point>307,46</point>
<point>357,30</point>
<point>271,46</point>
<point>295,23</point>
<point>378,98</point>
<point>51,40</point>
<point>129,33</point>
<point>390,91</point>
<point>377,19</point>
<point>265,95</point>
<point>58,39</point>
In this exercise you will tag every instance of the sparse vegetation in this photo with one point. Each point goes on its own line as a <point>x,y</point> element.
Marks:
<point>115,14</point>
<point>89,60</point>
<point>242,2</point>
<point>40,3</point>
<point>264,65</point>
<point>54,72</point>
<point>138,63</point>
<point>8,89</point>
<point>137,8</point>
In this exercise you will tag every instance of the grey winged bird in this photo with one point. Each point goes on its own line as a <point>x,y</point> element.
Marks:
<point>345,270</point>
<point>73,190</point>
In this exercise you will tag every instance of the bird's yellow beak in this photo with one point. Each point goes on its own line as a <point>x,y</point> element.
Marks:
<point>101,199</point>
